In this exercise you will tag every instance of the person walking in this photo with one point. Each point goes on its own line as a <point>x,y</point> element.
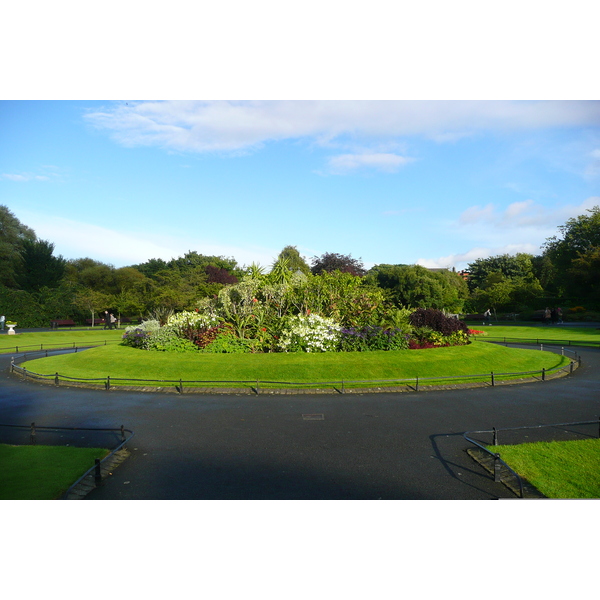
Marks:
<point>106,320</point>
<point>2,321</point>
<point>113,321</point>
<point>487,317</point>
<point>547,316</point>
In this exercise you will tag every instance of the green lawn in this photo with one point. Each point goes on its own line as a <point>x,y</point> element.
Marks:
<point>58,339</point>
<point>581,335</point>
<point>124,362</point>
<point>42,472</point>
<point>557,469</point>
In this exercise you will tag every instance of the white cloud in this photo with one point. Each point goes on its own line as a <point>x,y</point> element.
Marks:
<point>461,260</point>
<point>75,239</point>
<point>15,177</point>
<point>520,216</point>
<point>593,168</point>
<point>386,162</point>
<point>520,227</point>
<point>234,126</point>
<point>20,177</point>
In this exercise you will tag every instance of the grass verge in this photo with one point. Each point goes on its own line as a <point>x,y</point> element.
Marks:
<point>557,469</point>
<point>30,341</point>
<point>122,362</point>
<point>580,336</point>
<point>43,472</point>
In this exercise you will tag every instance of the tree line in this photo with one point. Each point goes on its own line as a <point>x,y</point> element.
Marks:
<point>36,286</point>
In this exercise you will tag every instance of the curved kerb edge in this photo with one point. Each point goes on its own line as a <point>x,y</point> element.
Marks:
<point>253,391</point>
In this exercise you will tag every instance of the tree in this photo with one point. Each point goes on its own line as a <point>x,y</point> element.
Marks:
<point>13,234</point>
<point>578,238</point>
<point>584,273</point>
<point>40,268</point>
<point>330,261</point>
<point>295,262</point>
<point>417,287</point>
<point>519,265</point>
<point>92,301</point>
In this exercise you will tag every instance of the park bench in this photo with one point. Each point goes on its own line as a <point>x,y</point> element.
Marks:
<point>96,321</point>
<point>61,323</point>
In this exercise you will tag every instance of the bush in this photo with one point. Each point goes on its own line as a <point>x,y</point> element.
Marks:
<point>201,337</point>
<point>166,339</point>
<point>367,338</point>
<point>426,337</point>
<point>437,320</point>
<point>137,336</point>
<point>310,333</point>
<point>226,342</point>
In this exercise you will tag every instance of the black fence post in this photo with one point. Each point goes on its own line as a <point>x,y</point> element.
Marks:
<point>343,389</point>
<point>122,433</point>
<point>497,467</point>
<point>97,473</point>
<point>108,382</point>
<point>571,367</point>
<point>417,385</point>
<point>32,438</point>
<point>543,373</point>
<point>180,386</point>
<point>495,441</point>
<point>257,388</point>
<point>56,380</point>
<point>493,381</point>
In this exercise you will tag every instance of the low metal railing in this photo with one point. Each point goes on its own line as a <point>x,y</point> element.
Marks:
<point>58,346</point>
<point>494,433</point>
<point>35,430</point>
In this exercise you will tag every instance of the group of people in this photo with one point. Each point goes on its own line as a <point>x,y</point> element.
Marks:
<point>553,316</point>
<point>110,321</point>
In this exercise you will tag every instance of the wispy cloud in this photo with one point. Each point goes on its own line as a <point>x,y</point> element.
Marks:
<point>520,216</point>
<point>75,239</point>
<point>21,177</point>
<point>461,260</point>
<point>526,224</point>
<point>593,168</point>
<point>385,162</point>
<point>234,126</point>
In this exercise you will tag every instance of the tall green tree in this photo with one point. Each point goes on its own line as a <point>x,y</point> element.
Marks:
<point>40,268</point>
<point>506,265</point>
<point>13,235</point>
<point>415,286</point>
<point>578,238</point>
<point>295,262</point>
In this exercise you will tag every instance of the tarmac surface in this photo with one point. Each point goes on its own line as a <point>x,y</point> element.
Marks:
<point>330,446</point>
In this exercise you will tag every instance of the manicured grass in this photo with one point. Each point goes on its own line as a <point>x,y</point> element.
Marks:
<point>125,362</point>
<point>581,335</point>
<point>557,469</point>
<point>30,341</point>
<point>42,472</point>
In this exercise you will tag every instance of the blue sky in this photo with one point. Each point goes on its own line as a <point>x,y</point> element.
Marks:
<point>434,183</point>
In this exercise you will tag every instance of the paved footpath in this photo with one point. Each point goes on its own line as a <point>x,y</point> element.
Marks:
<point>368,446</point>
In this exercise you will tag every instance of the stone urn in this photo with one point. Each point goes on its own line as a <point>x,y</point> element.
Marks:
<point>11,328</point>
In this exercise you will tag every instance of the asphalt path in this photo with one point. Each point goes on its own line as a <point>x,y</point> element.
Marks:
<point>363,446</point>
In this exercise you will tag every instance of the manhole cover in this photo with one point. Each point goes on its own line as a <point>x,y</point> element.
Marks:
<point>313,417</point>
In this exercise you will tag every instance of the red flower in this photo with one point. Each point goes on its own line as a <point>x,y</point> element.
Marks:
<point>254,300</point>
<point>264,329</point>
